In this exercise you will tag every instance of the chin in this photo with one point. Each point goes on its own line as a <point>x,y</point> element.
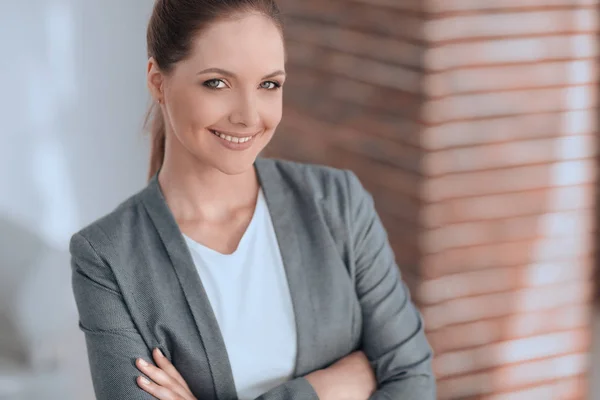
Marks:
<point>235,165</point>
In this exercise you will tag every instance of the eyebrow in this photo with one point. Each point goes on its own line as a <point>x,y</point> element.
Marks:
<point>232,75</point>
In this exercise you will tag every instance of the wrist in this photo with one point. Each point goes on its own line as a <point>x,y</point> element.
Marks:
<point>321,381</point>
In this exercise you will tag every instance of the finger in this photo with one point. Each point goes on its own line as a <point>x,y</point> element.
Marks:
<point>164,364</point>
<point>155,390</point>
<point>161,378</point>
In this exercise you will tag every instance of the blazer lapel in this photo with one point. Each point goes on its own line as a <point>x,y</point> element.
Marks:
<point>183,264</point>
<point>287,216</point>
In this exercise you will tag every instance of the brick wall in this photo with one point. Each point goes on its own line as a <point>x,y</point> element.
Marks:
<point>353,100</point>
<point>473,123</point>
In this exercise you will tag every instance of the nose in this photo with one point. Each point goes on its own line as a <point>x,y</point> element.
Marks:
<point>246,111</point>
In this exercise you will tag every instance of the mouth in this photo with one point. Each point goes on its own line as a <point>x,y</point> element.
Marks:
<point>233,138</point>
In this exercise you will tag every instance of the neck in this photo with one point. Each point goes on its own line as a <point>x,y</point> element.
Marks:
<point>198,191</point>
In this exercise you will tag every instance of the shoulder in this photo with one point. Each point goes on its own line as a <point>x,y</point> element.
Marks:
<point>111,229</point>
<point>318,180</point>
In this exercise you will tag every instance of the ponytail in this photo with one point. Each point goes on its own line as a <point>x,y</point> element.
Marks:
<point>157,139</point>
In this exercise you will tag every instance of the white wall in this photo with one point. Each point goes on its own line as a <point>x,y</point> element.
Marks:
<point>72,103</point>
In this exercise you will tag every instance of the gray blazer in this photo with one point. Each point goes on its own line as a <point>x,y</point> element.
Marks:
<point>137,288</point>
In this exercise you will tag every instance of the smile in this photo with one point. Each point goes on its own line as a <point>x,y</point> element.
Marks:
<point>232,139</point>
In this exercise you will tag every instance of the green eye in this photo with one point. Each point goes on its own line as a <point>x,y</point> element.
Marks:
<point>270,85</point>
<point>214,84</point>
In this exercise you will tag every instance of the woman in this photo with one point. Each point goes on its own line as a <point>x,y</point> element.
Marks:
<point>230,275</point>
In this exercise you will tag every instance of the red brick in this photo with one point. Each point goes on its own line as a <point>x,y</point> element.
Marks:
<point>504,129</point>
<point>444,6</point>
<point>495,104</point>
<point>395,180</point>
<point>462,310</point>
<point>374,110</point>
<point>568,223</point>
<point>493,280</point>
<point>510,352</point>
<point>511,50</point>
<point>479,333</point>
<point>546,321</point>
<point>477,233</point>
<point>562,389</point>
<point>372,98</point>
<point>515,179</point>
<point>510,77</point>
<point>498,255</point>
<point>402,232</point>
<point>468,284</point>
<point>373,46</point>
<point>486,182</point>
<point>374,72</point>
<point>406,159</point>
<point>311,150</point>
<point>407,257</point>
<point>462,387</point>
<point>513,377</point>
<point>404,5</point>
<point>555,272</point>
<point>362,17</point>
<point>507,24</point>
<point>396,128</point>
<point>521,204</point>
<point>343,100</point>
<point>509,154</point>
<point>402,209</point>
<point>543,370</point>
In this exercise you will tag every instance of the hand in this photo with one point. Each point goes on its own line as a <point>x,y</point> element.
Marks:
<point>350,378</point>
<point>166,382</point>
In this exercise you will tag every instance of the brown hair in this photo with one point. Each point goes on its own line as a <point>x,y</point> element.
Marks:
<point>171,30</point>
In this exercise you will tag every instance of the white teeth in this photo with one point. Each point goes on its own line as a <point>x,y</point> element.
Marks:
<point>232,139</point>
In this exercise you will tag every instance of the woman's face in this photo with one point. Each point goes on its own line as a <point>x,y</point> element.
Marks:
<point>227,91</point>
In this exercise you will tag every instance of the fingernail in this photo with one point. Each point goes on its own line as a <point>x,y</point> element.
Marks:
<point>144,380</point>
<point>143,363</point>
<point>159,352</point>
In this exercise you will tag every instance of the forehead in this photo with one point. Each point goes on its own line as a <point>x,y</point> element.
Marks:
<point>247,43</point>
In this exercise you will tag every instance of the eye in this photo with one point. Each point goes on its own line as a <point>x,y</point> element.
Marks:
<point>270,85</point>
<point>215,84</point>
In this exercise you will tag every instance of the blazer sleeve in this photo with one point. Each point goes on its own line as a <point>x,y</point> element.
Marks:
<point>296,389</point>
<point>393,333</point>
<point>113,342</point>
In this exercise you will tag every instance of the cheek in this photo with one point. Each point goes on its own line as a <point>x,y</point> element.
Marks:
<point>272,113</point>
<point>198,110</point>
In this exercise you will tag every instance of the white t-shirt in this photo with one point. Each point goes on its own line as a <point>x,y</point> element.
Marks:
<point>250,297</point>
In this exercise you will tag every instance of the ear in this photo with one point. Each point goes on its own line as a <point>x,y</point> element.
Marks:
<point>155,80</point>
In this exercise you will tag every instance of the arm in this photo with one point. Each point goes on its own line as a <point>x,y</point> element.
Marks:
<point>113,342</point>
<point>393,334</point>
<point>296,389</point>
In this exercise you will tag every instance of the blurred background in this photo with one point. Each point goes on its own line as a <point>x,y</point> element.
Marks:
<point>473,123</point>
